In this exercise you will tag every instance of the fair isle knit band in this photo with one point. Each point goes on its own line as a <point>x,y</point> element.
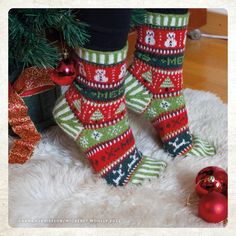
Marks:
<point>162,41</point>
<point>163,35</point>
<point>166,20</point>
<point>102,58</point>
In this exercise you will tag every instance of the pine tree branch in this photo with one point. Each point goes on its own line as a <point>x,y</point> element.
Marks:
<point>27,34</point>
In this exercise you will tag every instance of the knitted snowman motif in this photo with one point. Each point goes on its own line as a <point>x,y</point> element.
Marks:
<point>170,41</point>
<point>149,38</point>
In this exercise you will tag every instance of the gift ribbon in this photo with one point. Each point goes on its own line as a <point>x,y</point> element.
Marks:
<point>32,81</point>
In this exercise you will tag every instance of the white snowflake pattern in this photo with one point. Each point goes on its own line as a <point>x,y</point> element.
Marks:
<point>164,104</point>
<point>96,135</point>
<point>84,142</point>
<point>115,130</point>
<point>151,112</point>
<point>180,100</point>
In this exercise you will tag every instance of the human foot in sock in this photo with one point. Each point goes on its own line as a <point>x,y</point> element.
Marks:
<point>154,82</point>
<point>93,112</point>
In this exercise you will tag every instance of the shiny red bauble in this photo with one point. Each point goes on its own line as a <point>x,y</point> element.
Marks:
<point>213,207</point>
<point>209,184</point>
<point>65,73</point>
<point>211,179</point>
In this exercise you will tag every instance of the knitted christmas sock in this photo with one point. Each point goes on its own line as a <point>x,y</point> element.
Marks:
<point>154,82</point>
<point>93,112</point>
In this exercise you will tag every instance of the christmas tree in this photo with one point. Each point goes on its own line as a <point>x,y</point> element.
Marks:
<point>167,83</point>
<point>147,76</point>
<point>97,115</point>
<point>30,30</point>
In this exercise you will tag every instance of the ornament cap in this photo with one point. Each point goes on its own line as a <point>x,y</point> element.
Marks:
<point>65,54</point>
<point>211,179</point>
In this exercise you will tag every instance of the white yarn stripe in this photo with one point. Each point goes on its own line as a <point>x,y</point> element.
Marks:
<point>102,58</point>
<point>165,23</point>
<point>111,58</point>
<point>145,176</point>
<point>86,56</point>
<point>150,165</point>
<point>180,22</point>
<point>173,20</point>
<point>158,20</point>
<point>94,57</point>
<point>151,19</point>
<point>148,171</point>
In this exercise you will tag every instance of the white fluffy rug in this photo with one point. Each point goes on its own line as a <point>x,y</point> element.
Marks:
<point>57,188</point>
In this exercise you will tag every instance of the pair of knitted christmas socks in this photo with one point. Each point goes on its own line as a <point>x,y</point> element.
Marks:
<point>93,110</point>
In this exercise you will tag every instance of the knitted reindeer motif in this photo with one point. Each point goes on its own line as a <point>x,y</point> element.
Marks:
<point>120,175</point>
<point>177,146</point>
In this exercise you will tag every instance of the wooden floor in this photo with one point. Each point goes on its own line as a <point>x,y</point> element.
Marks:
<point>205,66</point>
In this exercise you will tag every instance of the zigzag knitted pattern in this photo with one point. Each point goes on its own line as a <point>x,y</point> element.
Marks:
<point>154,81</point>
<point>93,112</point>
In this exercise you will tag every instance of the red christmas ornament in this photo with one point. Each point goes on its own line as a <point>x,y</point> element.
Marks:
<point>211,179</point>
<point>65,73</point>
<point>213,207</point>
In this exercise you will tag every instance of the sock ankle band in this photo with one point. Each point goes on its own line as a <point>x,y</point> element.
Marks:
<point>166,20</point>
<point>102,58</point>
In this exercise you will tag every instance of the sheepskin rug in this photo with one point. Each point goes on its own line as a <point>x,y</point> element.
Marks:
<point>57,188</point>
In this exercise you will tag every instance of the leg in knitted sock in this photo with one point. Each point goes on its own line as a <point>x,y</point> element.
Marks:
<point>154,81</point>
<point>93,112</point>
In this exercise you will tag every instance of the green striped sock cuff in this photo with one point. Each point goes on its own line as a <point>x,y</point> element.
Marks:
<point>201,148</point>
<point>103,58</point>
<point>148,169</point>
<point>166,20</point>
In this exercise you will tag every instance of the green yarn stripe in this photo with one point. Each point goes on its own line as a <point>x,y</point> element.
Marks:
<point>201,148</point>
<point>105,58</point>
<point>137,96</point>
<point>65,118</point>
<point>148,169</point>
<point>163,105</point>
<point>91,138</point>
<point>166,20</point>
